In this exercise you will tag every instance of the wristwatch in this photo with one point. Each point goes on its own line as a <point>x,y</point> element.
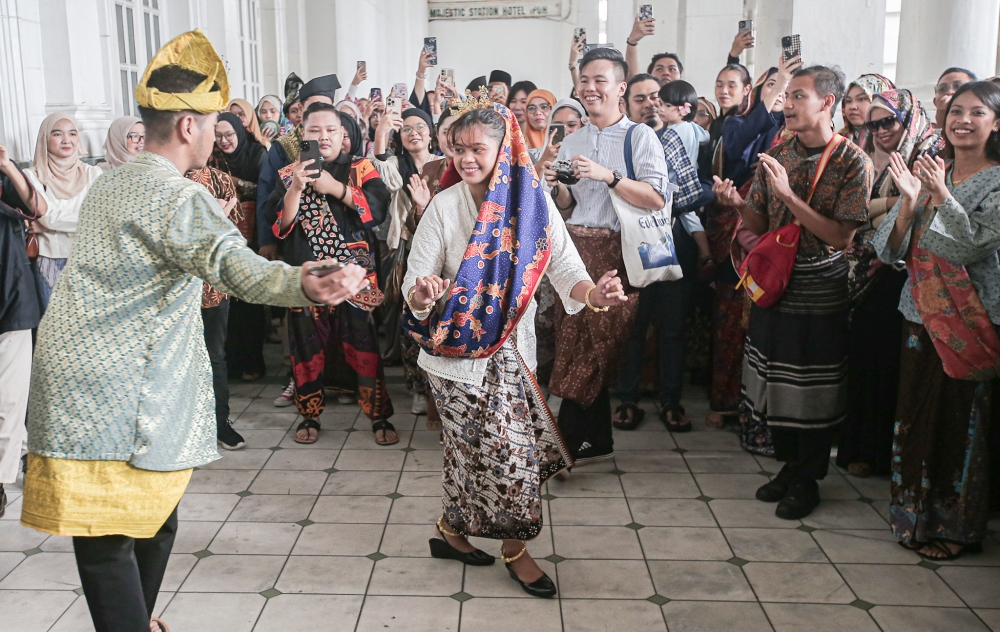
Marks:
<point>617,178</point>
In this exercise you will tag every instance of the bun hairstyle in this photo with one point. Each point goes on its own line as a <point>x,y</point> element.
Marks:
<point>989,93</point>
<point>489,119</point>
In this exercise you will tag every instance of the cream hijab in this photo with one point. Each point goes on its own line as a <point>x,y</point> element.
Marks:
<point>116,145</point>
<point>65,177</point>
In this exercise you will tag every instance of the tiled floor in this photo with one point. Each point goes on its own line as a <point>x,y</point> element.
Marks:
<point>283,537</point>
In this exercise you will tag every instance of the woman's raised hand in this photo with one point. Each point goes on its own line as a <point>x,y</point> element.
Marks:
<point>907,183</point>
<point>419,192</point>
<point>427,290</point>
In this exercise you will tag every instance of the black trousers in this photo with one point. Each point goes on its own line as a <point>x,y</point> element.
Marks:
<point>121,576</point>
<point>216,321</point>
<point>807,452</point>
<point>245,339</point>
<point>581,424</point>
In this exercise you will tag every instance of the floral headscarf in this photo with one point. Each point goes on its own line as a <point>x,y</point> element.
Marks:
<point>871,84</point>
<point>918,132</point>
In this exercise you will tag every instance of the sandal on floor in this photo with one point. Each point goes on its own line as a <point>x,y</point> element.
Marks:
<point>163,626</point>
<point>307,424</point>
<point>675,420</point>
<point>716,420</point>
<point>433,416</point>
<point>251,376</point>
<point>621,418</point>
<point>384,425</point>
<point>912,545</point>
<point>942,546</point>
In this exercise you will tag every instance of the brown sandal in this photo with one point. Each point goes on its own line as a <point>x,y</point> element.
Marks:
<point>860,470</point>
<point>385,427</point>
<point>163,626</point>
<point>433,416</point>
<point>307,425</point>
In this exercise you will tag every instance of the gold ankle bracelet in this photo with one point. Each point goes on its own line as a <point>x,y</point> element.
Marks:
<point>444,531</point>
<point>511,560</point>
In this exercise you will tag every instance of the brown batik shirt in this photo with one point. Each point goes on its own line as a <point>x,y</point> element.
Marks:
<point>842,193</point>
<point>221,186</point>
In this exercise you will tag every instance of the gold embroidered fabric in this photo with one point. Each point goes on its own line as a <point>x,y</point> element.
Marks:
<point>191,50</point>
<point>94,498</point>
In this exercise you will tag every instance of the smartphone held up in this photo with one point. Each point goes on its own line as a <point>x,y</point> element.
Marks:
<point>309,150</point>
<point>791,46</point>
<point>431,48</point>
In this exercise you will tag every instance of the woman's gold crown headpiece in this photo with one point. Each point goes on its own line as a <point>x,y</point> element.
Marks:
<point>462,106</point>
<point>193,51</point>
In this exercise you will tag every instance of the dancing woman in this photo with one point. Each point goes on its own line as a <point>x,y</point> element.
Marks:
<point>495,233</point>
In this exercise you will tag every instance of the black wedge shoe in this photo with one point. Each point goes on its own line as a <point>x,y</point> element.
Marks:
<point>444,551</point>
<point>542,587</point>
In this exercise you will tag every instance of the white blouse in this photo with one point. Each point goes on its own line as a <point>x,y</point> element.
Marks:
<point>61,218</point>
<point>439,247</point>
<point>401,203</point>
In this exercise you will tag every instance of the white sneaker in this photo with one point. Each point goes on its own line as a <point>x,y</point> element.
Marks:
<point>287,398</point>
<point>419,406</point>
<point>346,399</point>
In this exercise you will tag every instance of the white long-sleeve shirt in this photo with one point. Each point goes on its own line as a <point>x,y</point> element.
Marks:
<point>439,247</point>
<point>61,218</point>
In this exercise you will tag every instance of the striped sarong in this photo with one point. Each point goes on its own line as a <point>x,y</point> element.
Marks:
<point>795,365</point>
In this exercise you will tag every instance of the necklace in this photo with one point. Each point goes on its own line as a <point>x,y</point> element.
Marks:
<point>980,167</point>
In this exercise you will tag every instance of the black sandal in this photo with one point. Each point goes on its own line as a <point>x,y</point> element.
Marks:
<point>307,424</point>
<point>675,419</point>
<point>621,421</point>
<point>384,425</point>
<point>912,545</point>
<point>941,546</point>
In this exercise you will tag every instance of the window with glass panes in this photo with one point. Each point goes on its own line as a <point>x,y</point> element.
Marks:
<point>137,24</point>
<point>250,42</point>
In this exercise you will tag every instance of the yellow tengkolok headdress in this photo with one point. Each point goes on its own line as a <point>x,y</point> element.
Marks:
<point>459,106</point>
<point>191,50</point>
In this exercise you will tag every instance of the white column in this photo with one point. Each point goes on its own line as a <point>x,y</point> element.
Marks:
<point>75,67</point>
<point>273,47</point>
<point>705,34</point>
<point>21,109</point>
<point>935,35</point>
<point>621,13</point>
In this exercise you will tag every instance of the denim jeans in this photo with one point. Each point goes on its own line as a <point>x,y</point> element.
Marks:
<point>666,304</point>
<point>216,321</point>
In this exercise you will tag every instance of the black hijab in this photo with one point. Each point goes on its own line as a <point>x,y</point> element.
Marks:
<point>407,167</point>
<point>246,160</point>
<point>353,133</point>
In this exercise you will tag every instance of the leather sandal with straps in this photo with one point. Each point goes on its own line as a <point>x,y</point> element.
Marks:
<point>623,421</point>
<point>386,427</point>
<point>542,587</point>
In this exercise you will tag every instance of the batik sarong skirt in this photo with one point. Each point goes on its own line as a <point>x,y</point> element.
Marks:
<point>795,365</point>
<point>940,469</point>
<point>501,444</point>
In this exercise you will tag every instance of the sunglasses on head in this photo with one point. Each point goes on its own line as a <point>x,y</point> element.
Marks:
<point>886,123</point>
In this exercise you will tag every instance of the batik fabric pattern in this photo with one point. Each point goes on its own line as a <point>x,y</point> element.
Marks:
<point>327,239</point>
<point>500,447</point>
<point>940,473</point>
<point>506,258</point>
<point>220,185</point>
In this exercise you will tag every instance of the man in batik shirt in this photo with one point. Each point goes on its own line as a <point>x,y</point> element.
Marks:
<point>121,403</point>
<point>795,366</point>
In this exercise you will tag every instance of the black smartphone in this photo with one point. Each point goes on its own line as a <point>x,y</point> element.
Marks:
<point>375,95</point>
<point>560,132</point>
<point>431,46</point>
<point>646,12</point>
<point>326,268</point>
<point>791,46</point>
<point>309,150</point>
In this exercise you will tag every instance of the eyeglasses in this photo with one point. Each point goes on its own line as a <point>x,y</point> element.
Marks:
<point>543,108</point>
<point>419,128</point>
<point>701,114</point>
<point>229,136</point>
<point>943,88</point>
<point>886,123</point>
<point>136,138</point>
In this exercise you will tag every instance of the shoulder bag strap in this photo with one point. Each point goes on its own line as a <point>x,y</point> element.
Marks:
<point>629,168</point>
<point>824,160</point>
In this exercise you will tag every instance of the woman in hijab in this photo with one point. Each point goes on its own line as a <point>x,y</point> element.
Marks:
<point>854,108</point>
<point>411,174</point>
<point>361,148</point>
<point>63,180</point>
<point>896,122</point>
<point>239,155</point>
<point>501,442</point>
<point>126,138</point>
<point>537,111</point>
<point>247,115</point>
<point>269,109</point>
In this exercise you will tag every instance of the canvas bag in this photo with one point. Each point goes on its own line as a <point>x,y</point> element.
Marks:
<point>766,271</point>
<point>647,236</point>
